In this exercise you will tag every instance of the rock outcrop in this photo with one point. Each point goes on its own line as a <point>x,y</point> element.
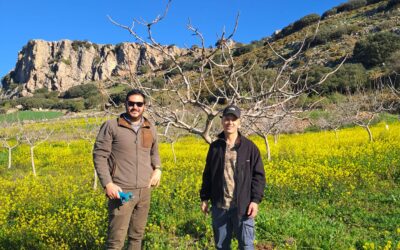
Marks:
<point>63,64</point>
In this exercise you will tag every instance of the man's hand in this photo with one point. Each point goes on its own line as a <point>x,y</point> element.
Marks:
<point>204,207</point>
<point>112,191</point>
<point>155,178</point>
<point>252,210</point>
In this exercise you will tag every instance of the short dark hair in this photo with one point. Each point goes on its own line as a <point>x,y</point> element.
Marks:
<point>135,92</point>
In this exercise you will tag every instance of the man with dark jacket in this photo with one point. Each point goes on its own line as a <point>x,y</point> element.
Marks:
<point>126,159</point>
<point>234,181</point>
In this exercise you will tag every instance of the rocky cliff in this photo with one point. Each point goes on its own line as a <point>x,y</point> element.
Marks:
<point>63,64</point>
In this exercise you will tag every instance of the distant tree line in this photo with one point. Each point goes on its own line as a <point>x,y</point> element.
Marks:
<point>75,99</point>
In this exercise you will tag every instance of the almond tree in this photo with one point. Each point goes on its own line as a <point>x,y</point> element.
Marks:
<point>171,136</point>
<point>218,78</point>
<point>34,138</point>
<point>9,139</point>
<point>363,108</point>
<point>88,133</point>
<point>393,88</point>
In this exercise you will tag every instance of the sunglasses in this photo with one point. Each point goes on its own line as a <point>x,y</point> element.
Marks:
<point>132,104</point>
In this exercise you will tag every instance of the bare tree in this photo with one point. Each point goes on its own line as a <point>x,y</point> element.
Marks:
<point>218,78</point>
<point>363,108</point>
<point>9,139</point>
<point>88,133</point>
<point>171,136</point>
<point>333,119</point>
<point>34,138</point>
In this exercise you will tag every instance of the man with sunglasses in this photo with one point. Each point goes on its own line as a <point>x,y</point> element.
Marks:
<point>234,181</point>
<point>126,159</point>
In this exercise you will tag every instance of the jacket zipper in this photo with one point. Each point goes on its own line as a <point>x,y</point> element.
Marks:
<point>137,155</point>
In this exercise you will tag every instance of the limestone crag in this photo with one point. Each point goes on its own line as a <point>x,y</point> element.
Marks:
<point>62,64</point>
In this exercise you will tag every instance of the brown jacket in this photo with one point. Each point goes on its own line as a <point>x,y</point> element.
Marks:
<point>125,157</point>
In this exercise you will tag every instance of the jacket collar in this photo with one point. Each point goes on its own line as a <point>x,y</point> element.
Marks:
<point>238,142</point>
<point>124,123</point>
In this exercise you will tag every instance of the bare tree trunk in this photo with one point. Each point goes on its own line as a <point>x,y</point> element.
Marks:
<point>276,137</point>
<point>265,136</point>
<point>9,158</point>
<point>369,133</point>
<point>33,161</point>
<point>94,175</point>
<point>95,180</point>
<point>173,151</point>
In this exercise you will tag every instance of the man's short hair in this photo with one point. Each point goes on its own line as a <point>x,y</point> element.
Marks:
<point>135,92</point>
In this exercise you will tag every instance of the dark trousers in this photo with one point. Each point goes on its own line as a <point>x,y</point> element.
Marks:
<point>225,222</point>
<point>130,217</point>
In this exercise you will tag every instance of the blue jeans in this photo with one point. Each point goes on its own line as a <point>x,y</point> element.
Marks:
<point>225,222</point>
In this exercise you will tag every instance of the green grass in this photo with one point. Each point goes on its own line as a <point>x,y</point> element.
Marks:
<point>30,115</point>
<point>347,211</point>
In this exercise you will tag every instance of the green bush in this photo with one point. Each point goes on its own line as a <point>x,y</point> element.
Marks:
<point>392,4</point>
<point>373,1</point>
<point>35,102</point>
<point>285,31</point>
<point>351,5</point>
<point>173,72</point>
<point>76,45</point>
<point>143,69</point>
<point>84,90</point>
<point>190,66</point>
<point>66,61</point>
<point>347,79</point>
<point>158,82</point>
<point>330,33</point>
<point>92,102</point>
<point>393,62</point>
<point>329,13</point>
<point>118,98</point>
<point>243,50</point>
<point>167,64</point>
<point>71,105</point>
<point>45,93</point>
<point>306,21</point>
<point>376,48</point>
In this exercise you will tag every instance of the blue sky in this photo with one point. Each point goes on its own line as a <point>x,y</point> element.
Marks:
<point>23,20</point>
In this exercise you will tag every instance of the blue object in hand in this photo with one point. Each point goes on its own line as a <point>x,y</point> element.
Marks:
<point>125,197</point>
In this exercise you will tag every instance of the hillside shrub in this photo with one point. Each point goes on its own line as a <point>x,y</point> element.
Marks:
<point>330,33</point>
<point>83,90</point>
<point>393,62</point>
<point>158,82</point>
<point>373,1</point>
<point>35,102</point>
<point>167,64</point>
<point>285,31</point>
<point>190,65</point>
<point>376,48</point>
<point>71,105</point>
<point>306,21</point>
<point>243,50</point>
<point>329,13</point>
<point>392,4</point>
<point>143,69</point>
<point>173,72</point>
<point>351,5</point>
<point>77,44</point>
<point>92,102</point>
<point>45,93</point>
<point>347,79</point>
